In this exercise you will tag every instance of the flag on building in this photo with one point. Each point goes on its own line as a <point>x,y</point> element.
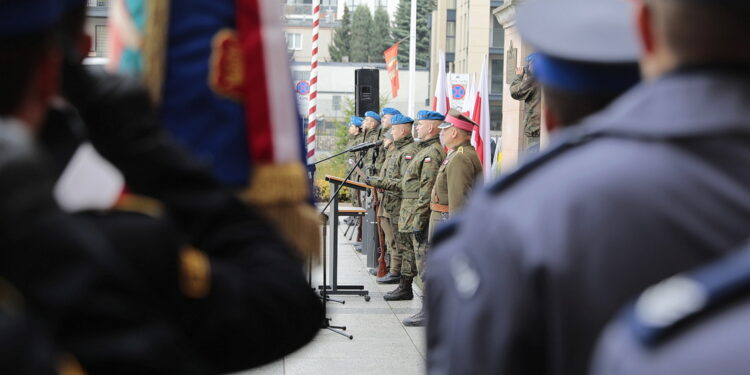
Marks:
<point>391,64</point>
<point>224,91</point>
<point>480,138</point>
<point>441,100</point>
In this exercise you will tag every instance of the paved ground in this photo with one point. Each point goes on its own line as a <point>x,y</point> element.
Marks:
<point>381,345</point>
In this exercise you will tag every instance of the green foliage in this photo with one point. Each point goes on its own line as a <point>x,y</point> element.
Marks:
<point>381,35</point>
<point>362,38</point>
<point>401,31</point>
<point>340,45</point>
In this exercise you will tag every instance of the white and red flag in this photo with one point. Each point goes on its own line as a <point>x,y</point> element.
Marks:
<point>480,138</point>
<point>441,100</point>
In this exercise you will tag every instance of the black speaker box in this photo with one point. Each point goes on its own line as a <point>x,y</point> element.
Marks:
<point>366,91</point>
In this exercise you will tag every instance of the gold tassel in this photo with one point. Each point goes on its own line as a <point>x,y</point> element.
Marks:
<point>281,191</point>
<point>155,47</point>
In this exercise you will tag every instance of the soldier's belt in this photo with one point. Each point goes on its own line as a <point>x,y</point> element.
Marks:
<point>410,195</point>
<point>439,207</point>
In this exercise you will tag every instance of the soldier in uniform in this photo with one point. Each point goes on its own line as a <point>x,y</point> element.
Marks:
<point>373,133</point>
<point>460,170</point>
<point>386,115</point>
<point>525,88</point>
<point>355,137</point>
<point>694,323</point>
<point>416,189</point>
<point>536,265</point>
<point>404,151</point>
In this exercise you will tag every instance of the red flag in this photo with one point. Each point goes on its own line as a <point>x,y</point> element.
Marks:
<point>391,63</point>
<point>481,115</point>
<point>441,101</point>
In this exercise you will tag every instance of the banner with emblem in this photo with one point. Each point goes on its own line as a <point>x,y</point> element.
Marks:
<point>391,64</point>
<point>219,72</point>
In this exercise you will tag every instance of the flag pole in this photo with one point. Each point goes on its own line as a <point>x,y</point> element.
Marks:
<point>313,105</point>
<point>412,57</point>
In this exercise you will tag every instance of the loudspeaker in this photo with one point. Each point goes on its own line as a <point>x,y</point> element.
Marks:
<point>366,91</point>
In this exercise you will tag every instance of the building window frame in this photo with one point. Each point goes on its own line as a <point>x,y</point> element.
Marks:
<point>294,41</point>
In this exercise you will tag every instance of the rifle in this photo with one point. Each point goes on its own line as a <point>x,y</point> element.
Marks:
<point>381,235</point>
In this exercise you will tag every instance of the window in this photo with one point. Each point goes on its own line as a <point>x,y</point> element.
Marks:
<point>294,41</point>
<point>450,37</point>
<point>498,34</point>
<point>352,4</point>
<point>100,42</point>
<point>496,74</point>
<point>337,102</point>
<point>496,115</point>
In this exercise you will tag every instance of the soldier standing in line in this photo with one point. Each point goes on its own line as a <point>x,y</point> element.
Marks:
<point>373,133</point>
<point>416,189</point>
<point>525,88</point>
<point>355,136</point>
<point>460,170</point>
<point>386,115</point>
<point>398,159</point>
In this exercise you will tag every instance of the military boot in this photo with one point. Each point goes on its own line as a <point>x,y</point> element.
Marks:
<point>416,320</point>
<point>402,293</point>
<point>389,279</point>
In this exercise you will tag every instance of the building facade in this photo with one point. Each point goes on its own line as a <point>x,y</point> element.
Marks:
<point>96,26</point>
<point>468,33</point>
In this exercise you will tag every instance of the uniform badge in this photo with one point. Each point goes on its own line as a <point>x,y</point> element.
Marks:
<point>445,162</point>
<point>408,157</point>
<point>428,160</point>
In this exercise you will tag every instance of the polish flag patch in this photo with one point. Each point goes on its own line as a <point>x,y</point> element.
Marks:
<point>408,157</point>
<point>445,162</point>
<point>428,160</point>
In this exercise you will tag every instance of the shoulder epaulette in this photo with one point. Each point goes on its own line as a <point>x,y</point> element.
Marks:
<point>666,307</point>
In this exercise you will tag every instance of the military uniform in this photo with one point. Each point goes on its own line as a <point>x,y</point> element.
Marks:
<point>374,156</point>
<point>399,158</point>
<point>456,177</point>
<point>416,191</point>
<point>535,266</point>
<point>692,324</point>
<point>525,88</point>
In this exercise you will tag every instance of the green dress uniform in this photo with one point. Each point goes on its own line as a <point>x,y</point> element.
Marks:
<point>394,168</point>
<point>416,189</point>
<point>455,179</point>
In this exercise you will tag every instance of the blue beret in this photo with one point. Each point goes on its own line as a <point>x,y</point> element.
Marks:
<point>372,114</point>
<point>390,111</point>
<point>430,115</point>
<point>356,121</point>
<point>23,17</point>
<point>530,57</point>
<point>401,119</point>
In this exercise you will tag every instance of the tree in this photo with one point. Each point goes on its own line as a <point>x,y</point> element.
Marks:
<point>401,31</point>
<point>362,40</point>
<point>340,45</point>
<point>381,36</point>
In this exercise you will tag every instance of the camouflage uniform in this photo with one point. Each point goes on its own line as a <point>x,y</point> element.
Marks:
<point>416,189</point>
<point>525,88</point>
<point>455,179</point>
<point>396,165</point>
<point>374,156</point>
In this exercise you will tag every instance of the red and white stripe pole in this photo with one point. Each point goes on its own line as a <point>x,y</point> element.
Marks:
<point>312,115</point>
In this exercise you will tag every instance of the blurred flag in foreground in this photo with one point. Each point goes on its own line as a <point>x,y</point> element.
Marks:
<point>218,70</point>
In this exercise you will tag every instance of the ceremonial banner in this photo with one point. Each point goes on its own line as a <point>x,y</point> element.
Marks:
<point>441,101</point>
<point>219,71</point>
<point>391,63</point>
<point>481,115</point>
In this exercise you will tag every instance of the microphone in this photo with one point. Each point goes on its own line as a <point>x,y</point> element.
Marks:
<point>365,146</point>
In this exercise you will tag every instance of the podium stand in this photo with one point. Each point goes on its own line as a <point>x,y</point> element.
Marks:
<point>333,225</point>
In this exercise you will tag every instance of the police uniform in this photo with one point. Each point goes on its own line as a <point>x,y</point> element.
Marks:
<point>456,177</point>
<point>405,151</point>
<point>692,323</point>
<point>526,277</point>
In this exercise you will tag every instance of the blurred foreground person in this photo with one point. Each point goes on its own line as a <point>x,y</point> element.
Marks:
<point>222,272</point>
<point>62,268</point>
<point>695,323</point>
<point>525,279</point>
